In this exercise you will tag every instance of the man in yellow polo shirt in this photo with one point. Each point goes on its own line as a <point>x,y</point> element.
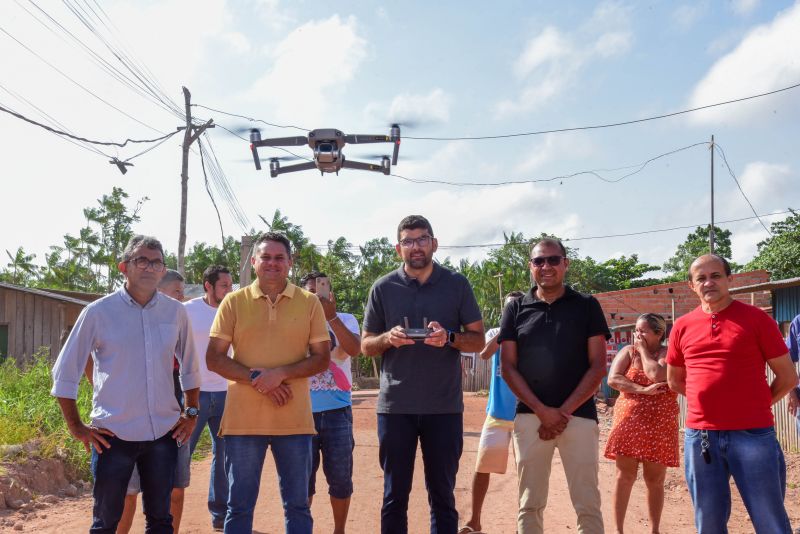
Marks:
<point>279,338</point>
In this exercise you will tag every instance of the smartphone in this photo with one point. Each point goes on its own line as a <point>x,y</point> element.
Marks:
<point>323,287</point>
<point>254,374</point>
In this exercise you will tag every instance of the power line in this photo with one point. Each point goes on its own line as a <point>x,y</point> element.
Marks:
<point>251,119</point>
<point>609,125</point>
<point>208,190</point>
<point>730,171</point>
<point>101,99</point>
<point>594,237</point>
<point>77,138</point>
<point>596,173</point>
<point>538,132</point>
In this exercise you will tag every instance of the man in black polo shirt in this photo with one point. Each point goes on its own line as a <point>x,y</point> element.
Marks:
<point>553,359</point>
<point>420,397</point>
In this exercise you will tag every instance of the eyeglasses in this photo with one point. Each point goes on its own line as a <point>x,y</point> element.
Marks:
<point>422,241</point>
<point>143,263</point>
<point>552,261</point>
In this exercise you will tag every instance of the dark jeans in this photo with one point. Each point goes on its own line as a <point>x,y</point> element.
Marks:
<point>334,442</point>
<point>111,470</point>
<point>441,439</point>
<point>212,404</point>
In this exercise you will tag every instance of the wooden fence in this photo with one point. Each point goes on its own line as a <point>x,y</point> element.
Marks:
<point>476,374</point>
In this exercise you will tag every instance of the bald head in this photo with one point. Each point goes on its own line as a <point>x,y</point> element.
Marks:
<point>707,259</point>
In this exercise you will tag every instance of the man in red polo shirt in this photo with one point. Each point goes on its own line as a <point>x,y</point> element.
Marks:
<point>717,358</point>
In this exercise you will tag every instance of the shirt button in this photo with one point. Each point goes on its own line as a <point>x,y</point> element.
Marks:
<point>713,316</point>
<point>713,325</point>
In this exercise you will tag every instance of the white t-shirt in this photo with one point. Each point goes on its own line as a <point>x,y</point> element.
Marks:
<point>201,316</point>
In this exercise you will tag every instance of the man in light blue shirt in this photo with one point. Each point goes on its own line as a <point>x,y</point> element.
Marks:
<point>793,343</point>
<point>132,336</point>
<point>497,429</point>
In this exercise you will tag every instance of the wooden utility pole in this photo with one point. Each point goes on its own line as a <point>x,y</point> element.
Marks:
<point>711,230</point>
<point>190,135</point>
<point>245,252</point>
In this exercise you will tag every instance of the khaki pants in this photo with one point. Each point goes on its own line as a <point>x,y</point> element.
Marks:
<point>578,447</point>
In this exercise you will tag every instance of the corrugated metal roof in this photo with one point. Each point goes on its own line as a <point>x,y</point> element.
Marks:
<point>43,293</point>
<point>766,286</point>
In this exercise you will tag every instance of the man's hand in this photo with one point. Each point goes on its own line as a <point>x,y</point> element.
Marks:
<point>268,380</point>
<point>437,338</point>
<point>553,422</point>
<point>91,436</point>
<point>655,389</point>
<point>397,338</point>
<point>280,395</point>
<point>794,403</point>
<point>328,306</point>
<point>183,429</point>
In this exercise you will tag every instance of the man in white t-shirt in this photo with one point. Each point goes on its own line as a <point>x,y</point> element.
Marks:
<point>331,404</point>
<point>217,282</point>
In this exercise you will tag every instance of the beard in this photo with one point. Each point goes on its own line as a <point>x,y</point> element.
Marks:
<point>419,261</point>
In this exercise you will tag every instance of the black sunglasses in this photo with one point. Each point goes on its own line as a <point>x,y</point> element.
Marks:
<point>552,261</point>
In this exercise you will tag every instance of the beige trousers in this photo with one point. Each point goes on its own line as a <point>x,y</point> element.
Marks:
<point>578,448</point>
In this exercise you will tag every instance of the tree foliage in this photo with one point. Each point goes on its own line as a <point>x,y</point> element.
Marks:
<point>780,253</point>
<point>697,244</point>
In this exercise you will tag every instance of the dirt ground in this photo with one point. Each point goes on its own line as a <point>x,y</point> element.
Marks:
<point>499,512</point>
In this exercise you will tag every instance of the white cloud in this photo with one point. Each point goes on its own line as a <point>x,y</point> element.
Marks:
<point>687,15</point>
<point>765,184</point>
<point>551,60</point>
<point>553,148</point>
<point>306,69</point>
<point>744,7</point>
<point>432,107</point>
<point>764,60</point>
<point>237,41</point>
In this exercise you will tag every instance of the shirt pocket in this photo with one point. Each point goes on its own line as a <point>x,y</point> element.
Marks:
<point>169,335</point>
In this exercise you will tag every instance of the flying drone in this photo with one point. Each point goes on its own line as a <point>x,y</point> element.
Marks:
<point>327,145</point>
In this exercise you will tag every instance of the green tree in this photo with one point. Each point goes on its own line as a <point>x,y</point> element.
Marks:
<point>696,244</point>
<point>780,253</point>
<point>201,255</point>
<point>21,270</point>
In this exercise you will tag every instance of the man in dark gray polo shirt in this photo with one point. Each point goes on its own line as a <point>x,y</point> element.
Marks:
<point>420,396</point>
<point>553,359</point>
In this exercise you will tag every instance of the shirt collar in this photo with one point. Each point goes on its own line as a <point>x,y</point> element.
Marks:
<point>530,297</point>
<point>432,279</point>
<point>256,293</point>
<point>129,300</point>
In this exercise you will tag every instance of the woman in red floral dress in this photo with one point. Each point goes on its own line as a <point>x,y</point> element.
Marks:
<point>645,428</point>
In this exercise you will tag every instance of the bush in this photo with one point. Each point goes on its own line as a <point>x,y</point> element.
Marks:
<point>28,411</point>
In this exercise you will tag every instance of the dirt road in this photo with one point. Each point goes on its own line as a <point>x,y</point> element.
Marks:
<point>74,515</point>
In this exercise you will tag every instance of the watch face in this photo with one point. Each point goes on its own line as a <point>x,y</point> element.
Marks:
<point>451,337</point>
<point>192,411</point>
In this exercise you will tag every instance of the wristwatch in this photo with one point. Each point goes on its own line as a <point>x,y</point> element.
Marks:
<point>451,337</point>
<point>191,411</point>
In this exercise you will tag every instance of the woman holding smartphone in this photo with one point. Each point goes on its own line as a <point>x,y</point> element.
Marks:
<point>645,427</point>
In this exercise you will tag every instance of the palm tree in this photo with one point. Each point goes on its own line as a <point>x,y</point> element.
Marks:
<point>21,265</point>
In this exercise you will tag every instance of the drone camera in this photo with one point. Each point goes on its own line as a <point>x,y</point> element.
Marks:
<point>326,152</point>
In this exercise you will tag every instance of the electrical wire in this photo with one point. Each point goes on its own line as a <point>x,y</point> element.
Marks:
<point>596,173</point>
<point>208,190</point>
<point>608,125</point>
<point>251,119</point>
<point>87,90</point>
<point>77,138</point>
<point>721,152</point>
<point>538,132</point>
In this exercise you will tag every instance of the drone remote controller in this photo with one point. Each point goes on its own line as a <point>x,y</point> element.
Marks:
<point>417,334</point>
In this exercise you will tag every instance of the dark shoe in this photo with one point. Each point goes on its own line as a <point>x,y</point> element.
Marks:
<point>218,526</point>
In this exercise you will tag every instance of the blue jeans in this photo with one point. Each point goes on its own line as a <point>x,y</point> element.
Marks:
<point>244,459</point>
<point>111,471</point>
<point>441,439</point>
<point>334,442</point>
<point>212,404</point>
<point>755,460</point>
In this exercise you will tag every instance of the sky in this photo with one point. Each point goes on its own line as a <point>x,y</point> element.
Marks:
<point>446,69</point>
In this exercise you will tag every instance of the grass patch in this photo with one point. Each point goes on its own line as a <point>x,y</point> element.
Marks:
<point>203,447</point>
<point>28,411</point>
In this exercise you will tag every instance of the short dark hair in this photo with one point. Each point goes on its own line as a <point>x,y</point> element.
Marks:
<point>414,222</point>
<point>514,295</point>
<point>212,272</point>
<point>312,275</point>
<point>171,275</point>
<point>550,241</point>
<point>276,237</point>
<point>725,265</point>
<point>140,240</point>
